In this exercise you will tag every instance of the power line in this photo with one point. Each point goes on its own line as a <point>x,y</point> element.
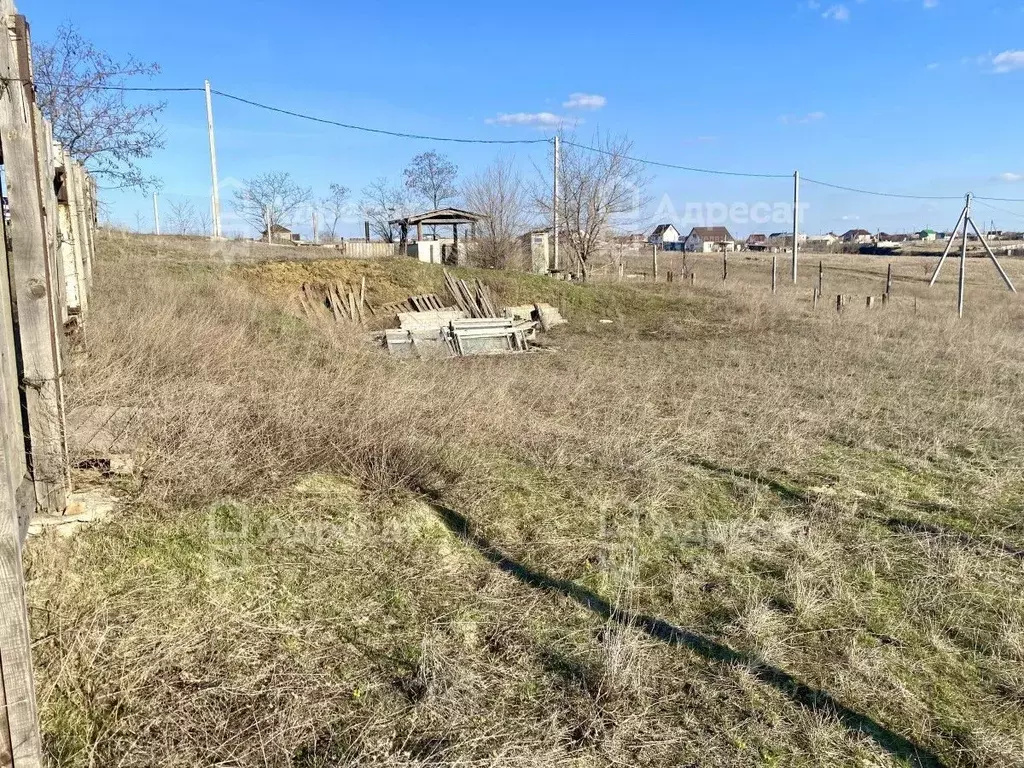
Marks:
<point>980,201</point>
<point>73,87</point>
<point>423,137</point>
<point>879,194</point>
<point>376,130</point>
<point>1002,199</point>
<point>679,167</point>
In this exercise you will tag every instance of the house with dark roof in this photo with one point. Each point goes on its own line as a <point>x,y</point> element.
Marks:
<point>757,242</point>
<point>709,240</point>
<point>859,236</point>
<point>664,233</point>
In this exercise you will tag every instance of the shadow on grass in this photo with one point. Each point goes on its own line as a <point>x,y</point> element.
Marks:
<point>658,629</point>
<point>782,490</point>
<point>966,539</point>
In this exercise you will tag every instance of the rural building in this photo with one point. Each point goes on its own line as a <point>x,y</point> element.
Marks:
<point>757,242</point>
<point>826,241</point>
<point>537,243</point>
<point>281,235</point>
<point>709,240</point>
<point>928,234</point>
<point>436,251</point>
<point>858,236</point>
<point>664,233</point>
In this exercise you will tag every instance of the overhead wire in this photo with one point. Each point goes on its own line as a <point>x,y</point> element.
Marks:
<point>678,167</point>
<point>459,140</point>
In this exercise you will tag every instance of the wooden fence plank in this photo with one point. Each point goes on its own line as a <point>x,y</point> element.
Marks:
<point>32,280</point>
<point>20,745</point>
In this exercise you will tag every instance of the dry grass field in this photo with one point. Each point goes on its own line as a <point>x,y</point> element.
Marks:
<point>724,529</point>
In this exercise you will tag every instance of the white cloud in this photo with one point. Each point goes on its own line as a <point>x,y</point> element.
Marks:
<point>810,117</point>
<point>929,4</point>
<point>1010,178</point>
<point>1008,61</point>
<point>933,65</point>
<point>536,119</point>
<point>585,101</point>
<point>837,13</point>
<point>851,217</point>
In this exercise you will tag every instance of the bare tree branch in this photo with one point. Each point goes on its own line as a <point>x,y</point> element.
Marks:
<point>334,207</point>
<point>500,194</point>
<point>382,203</point>
<point>270,201</point>
<point>431,177</point>
<point>599,190</point>
<point>101,128</point>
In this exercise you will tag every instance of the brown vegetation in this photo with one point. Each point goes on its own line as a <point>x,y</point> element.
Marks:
<point>721,530</point>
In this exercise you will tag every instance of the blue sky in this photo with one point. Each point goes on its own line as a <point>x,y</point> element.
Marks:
<point>910,96</point>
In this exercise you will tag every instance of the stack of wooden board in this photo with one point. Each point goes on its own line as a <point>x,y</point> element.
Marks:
<point>475,301</point>
<point>337,300</point>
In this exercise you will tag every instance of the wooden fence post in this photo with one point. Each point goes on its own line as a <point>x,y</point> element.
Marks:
<point>775,265</point>
<point>725,266</point>
<point>32,277</point>
<point>20,745</point>
<point>888,281</point>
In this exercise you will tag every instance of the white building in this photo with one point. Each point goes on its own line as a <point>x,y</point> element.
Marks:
<point>664,233</point>
<point>710,240</point>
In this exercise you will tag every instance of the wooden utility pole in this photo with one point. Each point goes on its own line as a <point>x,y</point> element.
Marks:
<point>796,222</point>
<point>217,232</point>
<point>554,201</point>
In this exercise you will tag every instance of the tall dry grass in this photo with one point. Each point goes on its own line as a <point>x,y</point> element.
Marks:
<point>731,462</point>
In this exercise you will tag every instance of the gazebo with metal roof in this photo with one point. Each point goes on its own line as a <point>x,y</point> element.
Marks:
<point>442,217</point>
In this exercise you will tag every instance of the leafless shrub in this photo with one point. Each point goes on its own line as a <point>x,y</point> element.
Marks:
<point>500,194</point>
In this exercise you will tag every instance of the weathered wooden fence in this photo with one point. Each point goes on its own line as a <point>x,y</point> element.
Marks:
<point>48,221</point>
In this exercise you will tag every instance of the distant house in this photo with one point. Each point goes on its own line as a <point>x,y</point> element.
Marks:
<point>709,240</point>
<point>757,242</point>
<point>282,234</point>
<point>664,233</point>
<point>930,235</point>
<point>825,241</point>
<point>887,241</point>
<point>858,236</point>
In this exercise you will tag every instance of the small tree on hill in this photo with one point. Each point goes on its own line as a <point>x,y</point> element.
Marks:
<point>499,193</point>
<point>381,203</point>
<point>431,177</point>
<point>270,201</point>
<point>599,186</point>
<point>334,207</point>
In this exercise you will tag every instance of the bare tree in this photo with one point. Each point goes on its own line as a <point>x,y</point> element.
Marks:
<point>99,126</point>
<point>500,194</point>
<point>600,185</point>
<point>182,217</point>
<point>381,203</point>
<point>334,207</point>
<point>431,177</point>
<point>270,201</point>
